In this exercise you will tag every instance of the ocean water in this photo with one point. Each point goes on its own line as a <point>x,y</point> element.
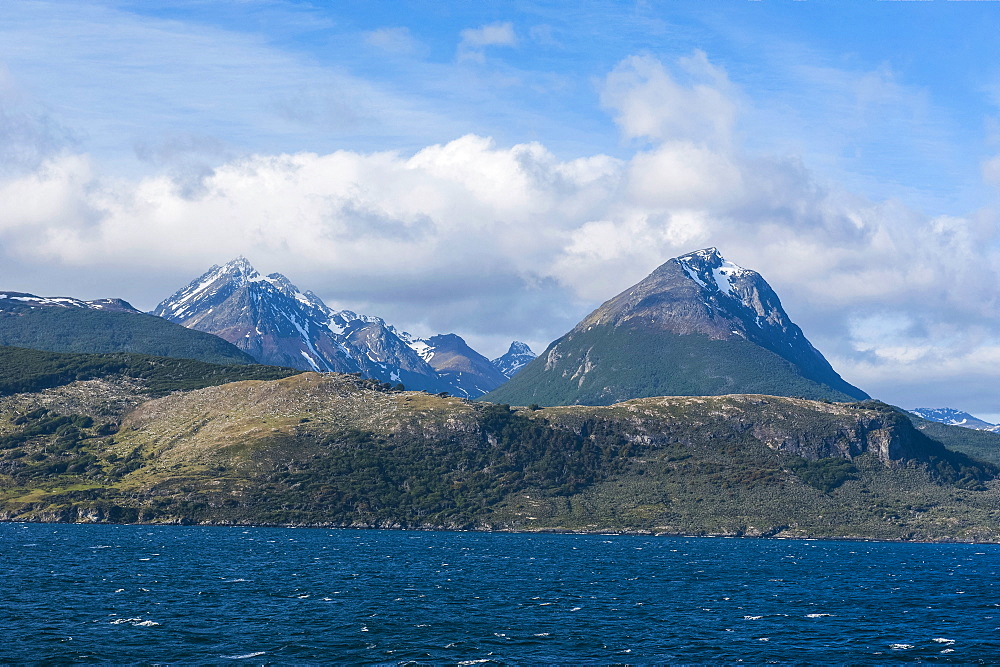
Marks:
<point>100,593</point>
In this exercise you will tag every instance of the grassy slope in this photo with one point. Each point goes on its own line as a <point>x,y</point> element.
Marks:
<point>333,450</point>
<point>634,363</point>
<point>80,330</point>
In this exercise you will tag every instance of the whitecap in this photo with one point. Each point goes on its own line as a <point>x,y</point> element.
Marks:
<point>145,624</point>
<point>900,647</point>
<point>817,615</point>
<point>752,618</point>
<point>943,640</point>
<point>948,650</point>
<point>576,608</point>
<point>244,655</point>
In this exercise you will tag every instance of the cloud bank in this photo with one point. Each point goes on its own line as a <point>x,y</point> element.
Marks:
<point>500,242</point>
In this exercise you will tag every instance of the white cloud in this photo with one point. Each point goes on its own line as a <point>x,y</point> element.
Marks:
<point>991,171</point>
<point>395,41</point>
<point>650,102</point>
<point>475,40</point>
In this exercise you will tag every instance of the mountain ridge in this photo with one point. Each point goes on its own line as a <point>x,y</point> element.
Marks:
<point>272,320</point>
<point>66,324</point>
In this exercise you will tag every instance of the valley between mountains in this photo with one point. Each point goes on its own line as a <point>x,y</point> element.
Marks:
<point>688,404</point>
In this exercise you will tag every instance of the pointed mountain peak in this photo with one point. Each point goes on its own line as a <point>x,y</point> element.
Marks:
<point>517,357</point>
<point>240,266</point>
<point>517,347</point>
<point>711,270</point>
<point>710,256</point>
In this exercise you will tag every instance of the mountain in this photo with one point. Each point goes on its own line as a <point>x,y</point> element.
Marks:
<point>337,450</point>
<point>954,418</point>
<point>469,373</point>
<point>517,357</point>
<point>698,325</point>
<point>64,324</point>
<point>271,319</point>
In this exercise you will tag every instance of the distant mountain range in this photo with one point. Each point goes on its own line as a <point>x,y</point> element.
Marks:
<point>699,325</point>
<point>273,321</point>
<point>955,418</point>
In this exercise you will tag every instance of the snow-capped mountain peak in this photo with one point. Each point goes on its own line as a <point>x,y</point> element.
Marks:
<point>517,357</point>
<point>714,272</point>
<point>276,323</point>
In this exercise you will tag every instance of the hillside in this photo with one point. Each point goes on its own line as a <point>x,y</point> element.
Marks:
<point>68,325</point>
<point>983,445</point>
<point>27,370</point>
<point>337,450</point>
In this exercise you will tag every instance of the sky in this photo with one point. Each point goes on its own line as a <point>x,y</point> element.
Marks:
<point>500,169</point>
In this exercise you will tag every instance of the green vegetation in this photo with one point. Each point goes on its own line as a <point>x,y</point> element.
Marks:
<point>605,365</point>
<point>25,370</point>
<point>824,474</point>
<point>337,450</point>
<point>81,330</point>
<point>982,445</point>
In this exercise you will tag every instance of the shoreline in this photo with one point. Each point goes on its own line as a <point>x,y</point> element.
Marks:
<point>541,531</point>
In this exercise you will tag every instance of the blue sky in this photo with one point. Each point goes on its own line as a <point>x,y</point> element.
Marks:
<point>499,169</point>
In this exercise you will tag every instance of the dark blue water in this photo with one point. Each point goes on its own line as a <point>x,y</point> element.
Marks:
<point>189,594</point>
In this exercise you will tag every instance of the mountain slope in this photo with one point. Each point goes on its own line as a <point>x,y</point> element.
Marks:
<point>27,370</point>
<point>698,325</point>
<point>61,324</point>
